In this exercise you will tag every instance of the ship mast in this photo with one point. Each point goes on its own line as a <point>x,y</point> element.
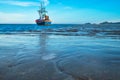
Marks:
<point>42,11</point>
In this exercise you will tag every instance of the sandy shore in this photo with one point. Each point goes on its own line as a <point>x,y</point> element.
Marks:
<point>58,57</point>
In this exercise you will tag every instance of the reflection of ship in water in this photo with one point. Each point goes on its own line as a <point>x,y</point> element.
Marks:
<point>45,53</point>
<point>43,43</point>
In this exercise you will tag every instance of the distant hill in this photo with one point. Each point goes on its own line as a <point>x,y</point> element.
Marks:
<point>110,23</point>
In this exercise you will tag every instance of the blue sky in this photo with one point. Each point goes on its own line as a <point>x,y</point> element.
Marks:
<point>60,11</point>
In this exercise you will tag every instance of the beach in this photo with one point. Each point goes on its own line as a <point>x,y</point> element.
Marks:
<point>60,53</point>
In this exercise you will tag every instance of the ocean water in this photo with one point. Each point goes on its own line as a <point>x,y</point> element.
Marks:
<point>60,52</point>
<point>112,30</point>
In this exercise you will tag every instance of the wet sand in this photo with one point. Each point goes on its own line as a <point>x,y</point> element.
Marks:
<point>58,57</point>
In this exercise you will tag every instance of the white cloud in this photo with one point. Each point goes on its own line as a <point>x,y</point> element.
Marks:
<point>25,3</point>
<point>20,3</point>
<point>15,18</point>
<point>46,2</point>
<point>67,7</point>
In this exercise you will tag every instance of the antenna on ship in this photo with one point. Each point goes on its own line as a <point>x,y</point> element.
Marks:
<point>42,12</point>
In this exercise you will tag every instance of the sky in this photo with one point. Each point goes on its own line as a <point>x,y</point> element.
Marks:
<point>60,11</point>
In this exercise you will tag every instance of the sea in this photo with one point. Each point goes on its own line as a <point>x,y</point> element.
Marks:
<point>60,52</point>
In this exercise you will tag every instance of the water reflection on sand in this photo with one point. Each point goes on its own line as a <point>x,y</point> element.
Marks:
<point>58,57</point>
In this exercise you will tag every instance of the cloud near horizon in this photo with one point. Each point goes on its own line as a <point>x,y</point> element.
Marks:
<point>15,18</point>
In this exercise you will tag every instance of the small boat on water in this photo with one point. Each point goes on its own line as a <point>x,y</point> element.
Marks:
<point>43,17</point>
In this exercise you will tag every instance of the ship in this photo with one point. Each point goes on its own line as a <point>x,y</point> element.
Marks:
<point>43,17</point>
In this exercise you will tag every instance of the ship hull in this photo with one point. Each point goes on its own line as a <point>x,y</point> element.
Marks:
<point>43,23</point>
